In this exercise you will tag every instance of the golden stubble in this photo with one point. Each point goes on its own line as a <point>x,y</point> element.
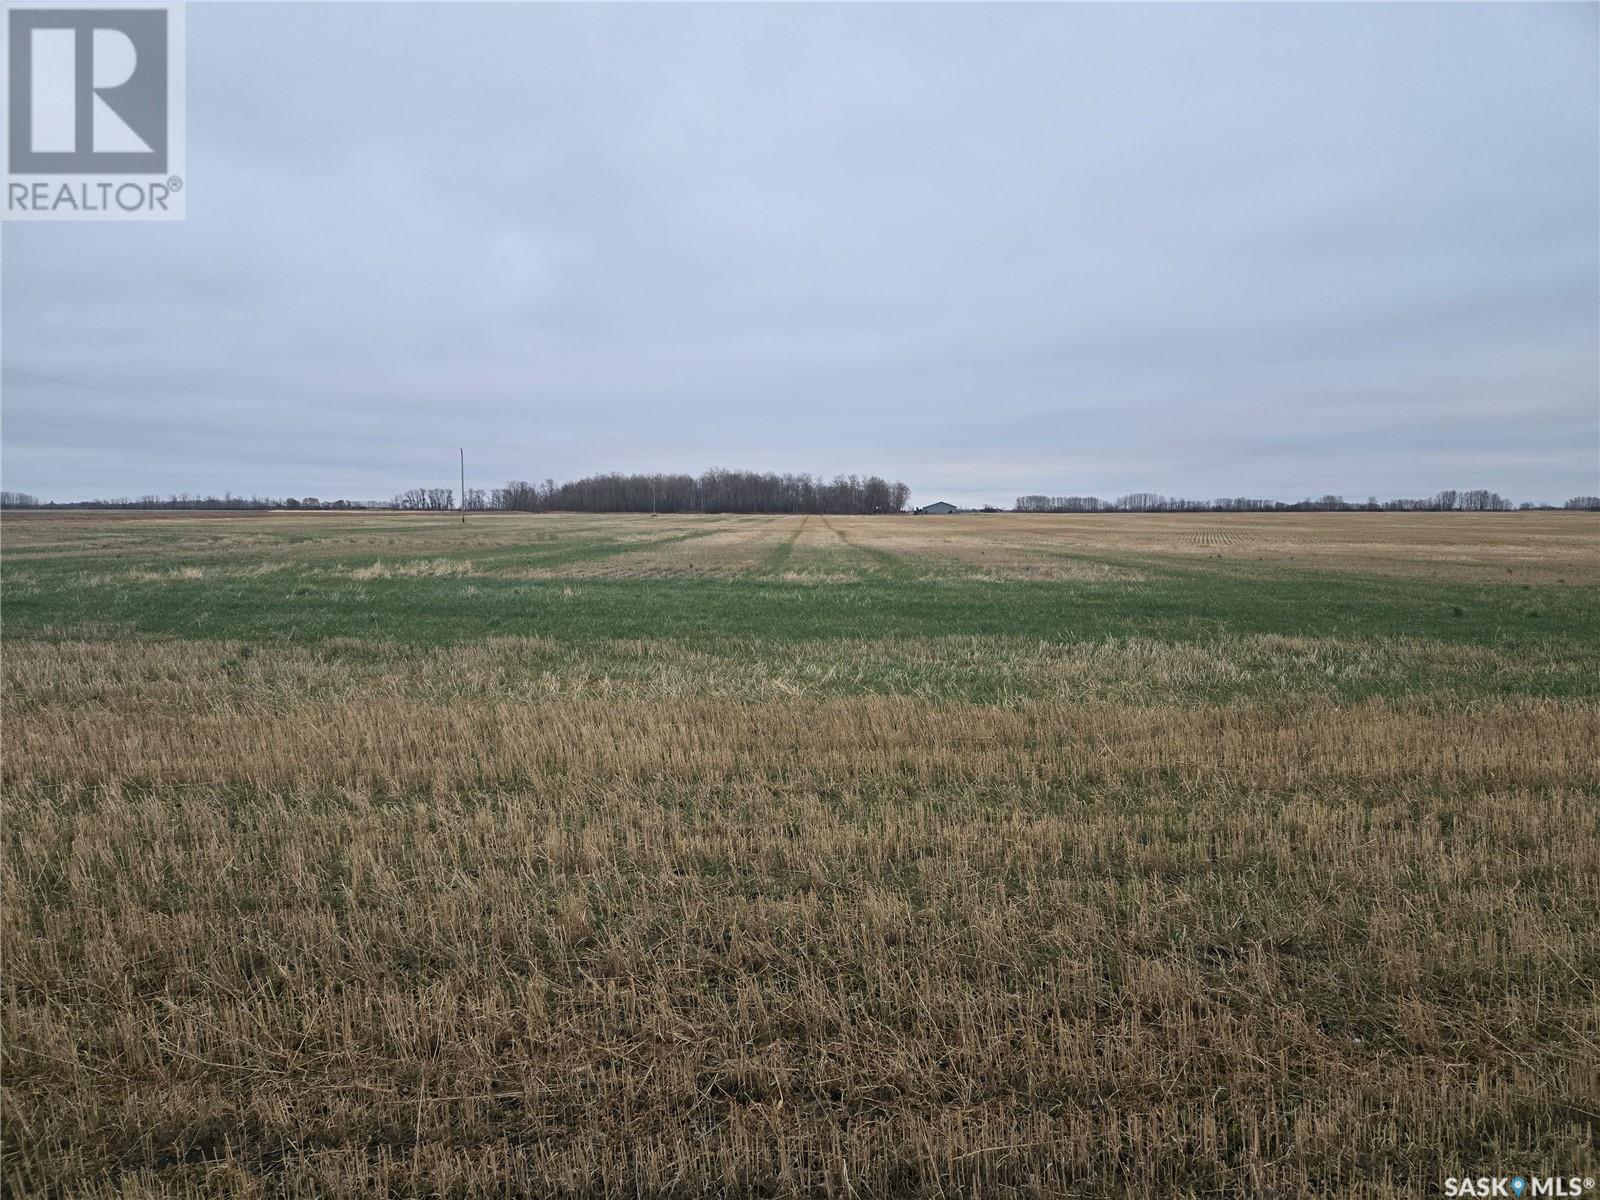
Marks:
<point>271,931</point>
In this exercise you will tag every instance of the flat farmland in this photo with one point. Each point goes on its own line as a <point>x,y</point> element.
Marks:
<point>989,855</point>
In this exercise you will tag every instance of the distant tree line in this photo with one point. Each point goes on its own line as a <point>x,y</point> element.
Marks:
<point>187,500</point>
<point>721,490</point>
<point>1450,500</point>
<point>717,490</point>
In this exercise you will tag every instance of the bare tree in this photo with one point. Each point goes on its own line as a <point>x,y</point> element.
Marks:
<point>1477,500</point>
<point>719,489</point>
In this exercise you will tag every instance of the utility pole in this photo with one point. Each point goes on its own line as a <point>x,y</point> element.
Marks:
<point>463,452</point>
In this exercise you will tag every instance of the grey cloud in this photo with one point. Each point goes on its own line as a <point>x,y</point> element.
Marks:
<point>1202,249</point>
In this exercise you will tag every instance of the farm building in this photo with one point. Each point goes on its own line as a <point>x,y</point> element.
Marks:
<point>938,506</point>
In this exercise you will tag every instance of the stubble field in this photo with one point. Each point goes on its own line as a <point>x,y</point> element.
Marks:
<point>722,856</point>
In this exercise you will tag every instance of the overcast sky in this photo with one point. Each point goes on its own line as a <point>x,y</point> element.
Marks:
<point>1206,250</point>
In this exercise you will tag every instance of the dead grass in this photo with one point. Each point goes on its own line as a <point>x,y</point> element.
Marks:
<point>430,568</point>
<point>143,575</point>
<point>1524,547</point>
<point>856,946</point>
<point>307,537</point>
<point>1243,915</point>
<point>67,681</point>
<point>1531,547</point>
<point>395,746</point>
